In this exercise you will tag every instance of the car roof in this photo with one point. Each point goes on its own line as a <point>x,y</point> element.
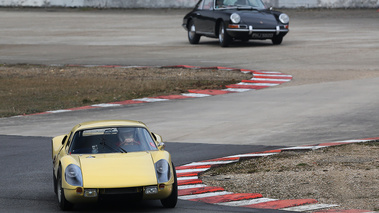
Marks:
<point>107,123</point>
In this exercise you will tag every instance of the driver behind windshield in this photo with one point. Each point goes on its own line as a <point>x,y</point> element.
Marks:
<point>126,137</point>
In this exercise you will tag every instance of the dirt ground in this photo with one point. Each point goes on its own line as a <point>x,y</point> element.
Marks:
<point>27,89</point>
<point>346,175</point>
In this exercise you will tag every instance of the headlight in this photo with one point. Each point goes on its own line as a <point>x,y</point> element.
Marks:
<point>162,169</point>
<point>235,18</point>
<point>73,175</point>
<point>284,18</point>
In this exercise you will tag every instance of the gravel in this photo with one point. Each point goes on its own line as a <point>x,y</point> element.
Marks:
<point>346,175</point>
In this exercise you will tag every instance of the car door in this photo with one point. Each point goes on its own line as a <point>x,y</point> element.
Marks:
<point>204,17</point>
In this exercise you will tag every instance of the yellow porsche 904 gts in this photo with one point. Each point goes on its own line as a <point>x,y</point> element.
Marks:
<point>112,159</point>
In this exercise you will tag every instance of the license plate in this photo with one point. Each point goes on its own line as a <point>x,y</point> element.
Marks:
<point>262,35</point>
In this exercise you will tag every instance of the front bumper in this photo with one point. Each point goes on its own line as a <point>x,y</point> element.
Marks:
<point>81,195</point>
<point>237,30</point>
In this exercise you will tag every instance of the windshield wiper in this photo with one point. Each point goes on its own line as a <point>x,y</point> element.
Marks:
<point>118,149</point>
<point>245,7</point>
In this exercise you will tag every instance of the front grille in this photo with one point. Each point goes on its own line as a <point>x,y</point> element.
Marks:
<point>120,191</point>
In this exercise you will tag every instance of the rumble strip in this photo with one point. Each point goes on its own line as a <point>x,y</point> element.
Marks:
<point>191,187</point>
<point>260,80</point>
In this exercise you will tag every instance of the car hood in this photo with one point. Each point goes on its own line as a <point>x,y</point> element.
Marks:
<point>258,19</point>
<point>118,170</point>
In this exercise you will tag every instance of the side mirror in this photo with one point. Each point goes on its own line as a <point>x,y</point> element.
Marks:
<point>57,143</point>
<point>161,146</point>
<point>157,137</point>
<point>64,139</point>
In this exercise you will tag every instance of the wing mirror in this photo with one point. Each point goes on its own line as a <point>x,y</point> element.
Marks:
<point>159,139</point>
<point>64,139</point>
<point>161,146</point>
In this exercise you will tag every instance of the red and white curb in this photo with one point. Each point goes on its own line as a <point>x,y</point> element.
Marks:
<point>191,187</point>
<point>260,80</point>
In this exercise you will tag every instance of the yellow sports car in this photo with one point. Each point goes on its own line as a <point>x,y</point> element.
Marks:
<point>112,159</point>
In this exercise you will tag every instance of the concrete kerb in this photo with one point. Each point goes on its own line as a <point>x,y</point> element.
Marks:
<point>191,187</point>
<point>259,80</point>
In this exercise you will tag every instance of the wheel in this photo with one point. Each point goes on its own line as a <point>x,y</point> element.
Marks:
<point>55,184</point>
<point>170,202</point>
<point>63,203</point>
<point>277,40</point>
<point>224,38</point>
<point>193,38</point>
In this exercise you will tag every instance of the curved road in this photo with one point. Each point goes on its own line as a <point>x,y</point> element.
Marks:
<point>332,55</point>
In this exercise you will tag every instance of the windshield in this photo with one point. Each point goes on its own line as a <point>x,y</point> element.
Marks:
<point>256,4</point>
<point>112,140</point>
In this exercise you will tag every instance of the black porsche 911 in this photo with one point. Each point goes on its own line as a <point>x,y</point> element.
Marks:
<point>230,20</point>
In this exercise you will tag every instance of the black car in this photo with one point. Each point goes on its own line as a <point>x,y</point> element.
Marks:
<point>230,20</point>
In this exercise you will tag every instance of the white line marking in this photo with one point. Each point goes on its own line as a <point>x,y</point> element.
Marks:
<point>59,111</point>
<point>197,95</point>
<point>150,99</point>
<point>210,163</point>
<point>210,194</point>
<point>351,141</point>
<point>270,75</point>
<point>106,105</point>
<point>270,79</point>
<point>191,186</point>
<point>246,202</point>
<point>188,178</point>
<point>268,72</point>
<point>258,84</point>
<point>191,170</point>
<point>237,90</point>
<point>310,207</point>
<point>304,148</point>
<point>252,155</point>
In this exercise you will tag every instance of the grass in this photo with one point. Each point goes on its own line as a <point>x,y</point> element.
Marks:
<point>27,89</point>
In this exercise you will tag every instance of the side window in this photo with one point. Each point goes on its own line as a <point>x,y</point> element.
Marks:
<point>69,140</point>
<point>208,4</point>
<point>148,140</point>
<point>219,3</point>
<point>199,5</point>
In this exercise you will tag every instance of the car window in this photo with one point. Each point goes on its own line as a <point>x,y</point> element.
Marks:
<point>69,140</point>
<point>199,5</point>
<point>240,3</point>
<point>256,3</point>
<point>112,140</point>
<point>208,4</point>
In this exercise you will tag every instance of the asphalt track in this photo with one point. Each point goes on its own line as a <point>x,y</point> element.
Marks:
<point>332,55</point>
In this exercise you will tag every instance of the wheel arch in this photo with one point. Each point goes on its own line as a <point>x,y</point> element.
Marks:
<point>188,23</point>
<point>217,26</point>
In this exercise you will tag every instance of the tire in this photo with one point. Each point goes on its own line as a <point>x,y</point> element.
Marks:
<point>277,40</point>
<point>170,201</point>
<point>55,183</point>
<point>224,38</point>
<point>63,203</point>
<point>193,38</point>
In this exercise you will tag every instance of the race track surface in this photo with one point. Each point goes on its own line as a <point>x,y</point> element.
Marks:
<point>333,96</point>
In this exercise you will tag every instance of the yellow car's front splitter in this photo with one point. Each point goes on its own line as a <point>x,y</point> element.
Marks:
<point>83,195</point>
